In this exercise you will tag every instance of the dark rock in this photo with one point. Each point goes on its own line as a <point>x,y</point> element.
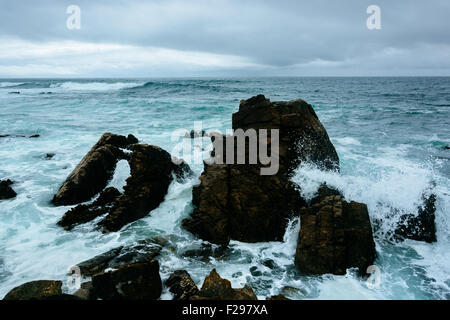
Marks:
<point>278,297</point>
<point>269,263</point>
<point>62,297</point>
<point>35,290</point>
<point>14,92</point>
<point>137,281</point>
<point>335,235</point>
<point>49,156</point>
<point>85,292</point>
<point>118,257</point>
<point>94,171</point>
<point>196,134</point>
<point>419,227</point>
<point>323,192</point>
<point>85,213</point>
<point>35,136</point>
<point>181,285</point>
<point>216,288</point>
<point>206,251</point>
<point>234,201</point>
<point>6,192</point>
<point>152,172</point>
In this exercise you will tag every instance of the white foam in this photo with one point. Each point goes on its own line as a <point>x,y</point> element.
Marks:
<point>95,86</point>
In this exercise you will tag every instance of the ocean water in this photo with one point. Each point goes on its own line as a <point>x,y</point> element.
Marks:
<point>390,134</point>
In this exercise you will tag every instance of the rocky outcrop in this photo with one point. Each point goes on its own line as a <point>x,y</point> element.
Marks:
<point>216,288</point>
<point>152,171</point>
<point>85,213</point>
<point>6,192</point>
<point>115,258</point>
<point>335,235</point>
<point>35,290</point>
<point>234,201</point>
<point>94,171</point>
<point>420,226</point>
<point>181,285</point>
<point>136,281</point>
<point>323,192</point>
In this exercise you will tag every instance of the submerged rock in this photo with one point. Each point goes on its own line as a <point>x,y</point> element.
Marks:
<point>85,213</point>
<point>181,285</point>
<point>94,171</point>
<point>216,288</point>
<point>234,201</point>
<point>420,226</point>
<point>152,171</point>
<point>6,192</point>
<point>335,235</point>
<point>35,290</point>
<point>137,281</point>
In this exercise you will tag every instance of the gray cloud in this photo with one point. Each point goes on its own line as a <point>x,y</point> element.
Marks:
<point>279,37</point>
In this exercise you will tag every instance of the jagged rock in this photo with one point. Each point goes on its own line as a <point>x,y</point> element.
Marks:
<point>35,290</point>
<point>137,281</point>
<point>181,285</point>
<point>216,288</point>
<point>234,201</point>
<point>335,235</point>
<point>118,257</point>
<point>152,172</point>
<point>85,213</point>
<point>85,292</point>
<point>323,192</point>
<point>206,251</point>
<point>6,192</point>
<point>94,171</point>
<point>419,227</point>
<point>49,156</point>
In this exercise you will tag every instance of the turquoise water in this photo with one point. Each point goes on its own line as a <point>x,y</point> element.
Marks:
<point>390,134</point>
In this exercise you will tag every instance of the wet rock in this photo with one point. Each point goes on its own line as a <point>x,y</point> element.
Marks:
<point>181,285</point>
<point>207,251</point>
<point>323,192</point>
<point>278,297</point>
<point>34,136</point>
<point>85,213</point>
<point>335,235</point>
<point>85,292</point>
<point>234,201</point>
<point>62,297</point>
<point>49,156</point>
<point>420,226</point>
<point>35,290</point>
<point>6,192</point>
<point>118,257</point>
<point>137,281</point>
<point>216,288</point>
<point>94,171</point>
<point>152,171</point>
<point>14,92</point>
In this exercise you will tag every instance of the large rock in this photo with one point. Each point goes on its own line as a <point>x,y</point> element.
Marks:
<point>234,201</point>
<point>6,192</point>
<point>420,226</point>
<point>94,171</point>
<point>84,213</point>
<point>137,281</point>
<point>181,285</point>
<point>334,235</point>
<point>152,171</point>
<point>35,290</point>
<point>216,288</point>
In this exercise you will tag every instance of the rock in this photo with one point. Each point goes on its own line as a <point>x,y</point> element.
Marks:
<point>35,290</point>
<point>207,251</point>
<point>278,297</point>
<point>85,213</point>
<point>196,134</point>
<point>115,258</point>
<point>323,192</point>
<point>216,288</point>
<point>14,92</point>
<point>94,171</point>
<point>85,291</point>
<point>6,192</point>
<point>35,136</point>
<point>152,172</point>
<point>49,156</point>
<point>62,297</point>
<point>137,281</point>
<point>420,226</point>
<point>181,285</point>
<point>335,235</point>
<point>234,201</point>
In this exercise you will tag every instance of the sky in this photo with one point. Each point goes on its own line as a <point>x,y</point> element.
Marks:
<point>220,38</point>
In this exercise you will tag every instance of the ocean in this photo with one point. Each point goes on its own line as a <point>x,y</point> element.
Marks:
<point>390,133</point>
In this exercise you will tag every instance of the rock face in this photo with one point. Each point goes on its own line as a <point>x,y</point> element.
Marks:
<point>181,285</point>
<point>234,201</point>
<point>335,235</point>
<point>216,288</point>
<point>94,171</point>
<point>420,227</point>
<point>137,281</point>
<point>6,192</point>
<point>152,171</point>
<point>35,290</point>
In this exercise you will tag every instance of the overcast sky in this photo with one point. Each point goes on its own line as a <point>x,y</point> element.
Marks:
<point>181,38</point>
